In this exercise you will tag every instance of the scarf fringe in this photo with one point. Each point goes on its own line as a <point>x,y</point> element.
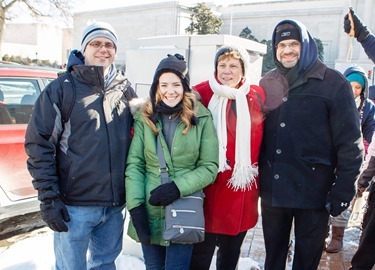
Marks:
<point>243,177</point>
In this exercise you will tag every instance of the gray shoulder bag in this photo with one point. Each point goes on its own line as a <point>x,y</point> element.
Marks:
<point>184,218</point>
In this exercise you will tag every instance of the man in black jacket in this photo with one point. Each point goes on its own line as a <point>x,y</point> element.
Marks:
<point>311,151</point>
<point>78,163</point>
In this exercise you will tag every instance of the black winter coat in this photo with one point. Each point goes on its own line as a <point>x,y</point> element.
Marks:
<point>312,142</point>
<point>84,159</point>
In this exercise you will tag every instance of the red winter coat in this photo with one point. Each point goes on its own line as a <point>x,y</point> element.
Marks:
<point>227,211</point>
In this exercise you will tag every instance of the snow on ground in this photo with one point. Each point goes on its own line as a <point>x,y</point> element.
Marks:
<point>36,253</point>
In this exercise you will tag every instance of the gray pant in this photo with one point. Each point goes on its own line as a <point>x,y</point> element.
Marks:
<point>341,220</point>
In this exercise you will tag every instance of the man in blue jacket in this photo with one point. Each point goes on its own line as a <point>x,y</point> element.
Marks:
<point>364,258</point>
<point>78,163</point>
<point>312,148</point>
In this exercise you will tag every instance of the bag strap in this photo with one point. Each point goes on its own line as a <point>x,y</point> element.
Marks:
<point>125,91</point>
<point>163,166</point>
<point>68,95</point>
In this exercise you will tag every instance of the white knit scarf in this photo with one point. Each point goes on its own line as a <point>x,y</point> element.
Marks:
<point>244,172</point>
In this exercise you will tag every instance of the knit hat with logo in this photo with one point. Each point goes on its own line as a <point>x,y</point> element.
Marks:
<point>287,31</point>
<point>98,29</point>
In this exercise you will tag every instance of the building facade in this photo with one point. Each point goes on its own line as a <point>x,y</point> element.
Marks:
<point>37,41</point>
<point>323,18</point>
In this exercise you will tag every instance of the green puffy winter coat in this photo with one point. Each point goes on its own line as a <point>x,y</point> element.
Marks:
<point>192,165</point>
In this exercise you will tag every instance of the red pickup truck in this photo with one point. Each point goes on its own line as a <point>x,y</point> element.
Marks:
<point>19,88</point>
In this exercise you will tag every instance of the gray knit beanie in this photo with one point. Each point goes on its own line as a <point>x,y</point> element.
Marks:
<point>242,53</point>
<point>98,29</point>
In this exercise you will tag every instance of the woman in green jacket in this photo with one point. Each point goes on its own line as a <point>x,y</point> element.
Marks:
<point>190,149</point>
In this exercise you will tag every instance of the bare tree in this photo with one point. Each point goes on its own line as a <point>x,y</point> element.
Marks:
<point>36,8</point>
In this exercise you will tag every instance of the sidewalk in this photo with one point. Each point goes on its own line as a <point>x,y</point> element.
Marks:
<point>253,247</point>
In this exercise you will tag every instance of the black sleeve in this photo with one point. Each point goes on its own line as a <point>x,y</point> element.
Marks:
<point>41,139</point>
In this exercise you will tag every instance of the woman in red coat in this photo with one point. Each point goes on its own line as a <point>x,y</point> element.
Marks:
<point>231,203</point>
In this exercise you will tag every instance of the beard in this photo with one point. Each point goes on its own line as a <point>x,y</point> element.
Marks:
<point>289,63</point>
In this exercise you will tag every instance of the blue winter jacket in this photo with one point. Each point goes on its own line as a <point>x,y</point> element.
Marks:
<point>368,45</point>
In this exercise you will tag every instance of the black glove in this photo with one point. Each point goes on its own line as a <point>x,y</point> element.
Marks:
<point>164,194</point>
<point>54,213</point>
<point>335,206</point>
<point>360,29</point>
<point>362,185</point>
<point>140,222</point>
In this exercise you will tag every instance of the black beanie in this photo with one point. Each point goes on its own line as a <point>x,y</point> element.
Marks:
<point>173,63</point>
<point>176,64</point>
<point>287,31</point>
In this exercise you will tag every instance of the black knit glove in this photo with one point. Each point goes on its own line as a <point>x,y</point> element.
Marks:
<point>164,194</point>
<point>53,210</point>
<point>363,183</point>
<point>335,206</point>
<point>360,29</point>
<point>140,222</point>
<point>55,214</point>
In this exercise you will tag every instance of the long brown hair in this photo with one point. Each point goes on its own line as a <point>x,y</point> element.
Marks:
<point>188,109</point>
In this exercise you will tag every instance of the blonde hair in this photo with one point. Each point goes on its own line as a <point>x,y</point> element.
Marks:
<point>231,54</point>
<point>188,107</point>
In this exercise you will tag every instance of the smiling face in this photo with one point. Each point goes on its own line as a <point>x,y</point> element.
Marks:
<point>100,51</point>
<point>288,52</point>
<point>170,89</point>
<point>229,71</point>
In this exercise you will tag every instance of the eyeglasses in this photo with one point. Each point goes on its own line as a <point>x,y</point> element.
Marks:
<point>292,45</point>
<point>99,45</point>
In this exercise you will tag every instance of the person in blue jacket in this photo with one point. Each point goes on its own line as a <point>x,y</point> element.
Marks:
<point>366,109</point>
<point>364,258</point>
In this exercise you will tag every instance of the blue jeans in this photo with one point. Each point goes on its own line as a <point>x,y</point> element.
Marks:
<point>173,257</point>
<point>92,229</point>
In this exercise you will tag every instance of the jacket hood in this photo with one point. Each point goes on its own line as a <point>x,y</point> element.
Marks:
<point>360,71</point>
<point>75,58</point>
<point>309,49</point>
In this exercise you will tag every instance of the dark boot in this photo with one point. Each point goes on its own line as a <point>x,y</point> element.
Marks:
<point>337,240</point>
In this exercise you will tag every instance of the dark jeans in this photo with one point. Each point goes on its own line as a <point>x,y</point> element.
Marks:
<point>173,257</point>
<point>228,253</point>
<point>364,258</point>
<point>310,228</point>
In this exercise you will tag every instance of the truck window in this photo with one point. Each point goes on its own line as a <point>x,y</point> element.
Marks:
<point>17,98</point>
